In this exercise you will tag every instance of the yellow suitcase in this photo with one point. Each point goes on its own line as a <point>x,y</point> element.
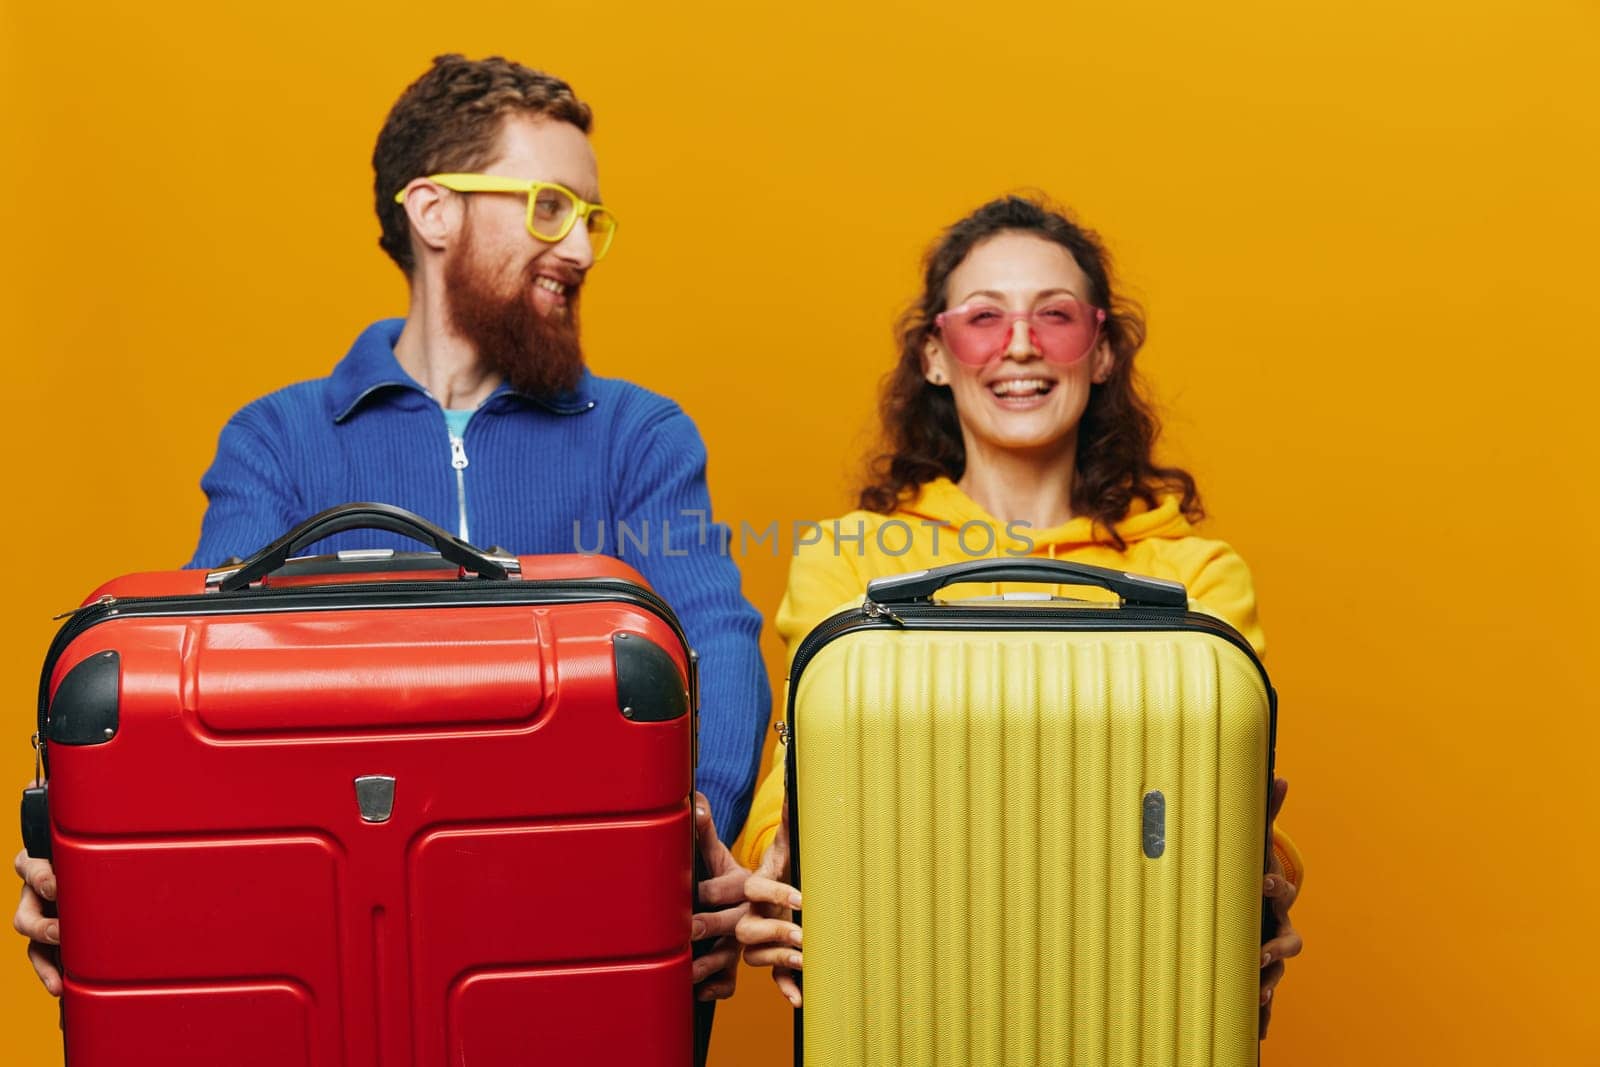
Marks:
<point>1029,831</point>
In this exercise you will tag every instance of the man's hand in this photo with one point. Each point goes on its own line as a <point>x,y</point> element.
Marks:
<point>716,972</point>
<point>768,934</point>
<point>43,933</point>
<point>1281,893</point>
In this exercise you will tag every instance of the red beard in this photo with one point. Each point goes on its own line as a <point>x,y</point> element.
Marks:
<point>535,353</point>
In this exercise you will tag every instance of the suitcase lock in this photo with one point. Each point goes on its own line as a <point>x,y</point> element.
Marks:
<point>375,797</point>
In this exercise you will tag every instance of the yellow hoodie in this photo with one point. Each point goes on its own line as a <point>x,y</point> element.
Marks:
<point>941,525</point>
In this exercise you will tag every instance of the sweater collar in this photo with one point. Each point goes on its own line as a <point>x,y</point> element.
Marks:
<point>943,501</point>
<point>370,369</point>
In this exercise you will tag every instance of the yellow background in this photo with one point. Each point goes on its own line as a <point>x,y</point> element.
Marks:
<point>1365,237</point>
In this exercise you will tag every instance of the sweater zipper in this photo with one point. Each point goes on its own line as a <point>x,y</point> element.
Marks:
<point>458,460</point>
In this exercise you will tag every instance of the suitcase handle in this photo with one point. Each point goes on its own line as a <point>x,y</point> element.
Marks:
<point>1136,590</point>
<point>359,517</point>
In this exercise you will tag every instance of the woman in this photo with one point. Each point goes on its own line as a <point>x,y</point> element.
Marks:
<point>1015,426</point>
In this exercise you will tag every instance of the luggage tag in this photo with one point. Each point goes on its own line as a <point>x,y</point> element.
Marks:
<point>36,840</point>
<point>36,822</point>
<point>36,810</point>
<point>36,829</point>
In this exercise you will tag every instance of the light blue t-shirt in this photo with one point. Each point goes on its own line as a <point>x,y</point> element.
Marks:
<point>457,420</point>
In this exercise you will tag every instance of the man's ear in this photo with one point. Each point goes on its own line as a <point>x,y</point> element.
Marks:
<point>431,215</point>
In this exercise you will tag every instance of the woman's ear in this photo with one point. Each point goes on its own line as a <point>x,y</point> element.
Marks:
<point>930,363</point>
<point>1105,361</point>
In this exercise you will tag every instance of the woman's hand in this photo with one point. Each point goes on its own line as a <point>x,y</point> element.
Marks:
<point>43,933</point>
<point>1280,892</point>
<point>722,891</point>
<point>769,937</point>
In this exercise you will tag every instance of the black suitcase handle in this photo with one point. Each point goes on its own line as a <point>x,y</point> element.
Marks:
<point>359,517</point>
<point>1136,590</point>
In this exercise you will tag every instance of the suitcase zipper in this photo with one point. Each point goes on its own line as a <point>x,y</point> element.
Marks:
<point>58,616</point>
<point>874,610</point>
<point>874,616</point>
<point>372,596</point>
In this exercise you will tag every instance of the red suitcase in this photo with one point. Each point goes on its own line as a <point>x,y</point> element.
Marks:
<point>373,809</point>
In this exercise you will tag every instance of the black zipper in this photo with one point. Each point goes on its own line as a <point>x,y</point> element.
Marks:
<point>360,597</point>
<point>873,616</point>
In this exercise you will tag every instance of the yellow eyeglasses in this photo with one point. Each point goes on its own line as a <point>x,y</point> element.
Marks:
<point>553,209</point>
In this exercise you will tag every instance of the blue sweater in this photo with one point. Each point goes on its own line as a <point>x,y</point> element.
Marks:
<point>530,476</point>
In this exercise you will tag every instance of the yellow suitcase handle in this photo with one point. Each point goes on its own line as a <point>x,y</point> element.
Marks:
<point>1136,590</point>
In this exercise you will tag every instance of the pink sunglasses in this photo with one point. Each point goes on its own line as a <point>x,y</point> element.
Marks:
<point>1062,331</point>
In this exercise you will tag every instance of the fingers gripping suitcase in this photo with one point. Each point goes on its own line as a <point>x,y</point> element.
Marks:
<point>1028,832</point>
<point>378,808</point>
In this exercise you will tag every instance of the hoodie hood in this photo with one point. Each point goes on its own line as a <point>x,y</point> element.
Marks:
<point>942,501</point>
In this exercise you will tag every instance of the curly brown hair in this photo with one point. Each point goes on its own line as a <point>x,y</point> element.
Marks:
<point>448,120</point>
<point>1117,434</point>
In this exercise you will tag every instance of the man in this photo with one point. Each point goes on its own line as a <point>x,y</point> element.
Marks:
<point>477,412</point>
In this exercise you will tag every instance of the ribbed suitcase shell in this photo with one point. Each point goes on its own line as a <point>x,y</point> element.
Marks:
<point>971,825</point>
<point>224,901</point>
